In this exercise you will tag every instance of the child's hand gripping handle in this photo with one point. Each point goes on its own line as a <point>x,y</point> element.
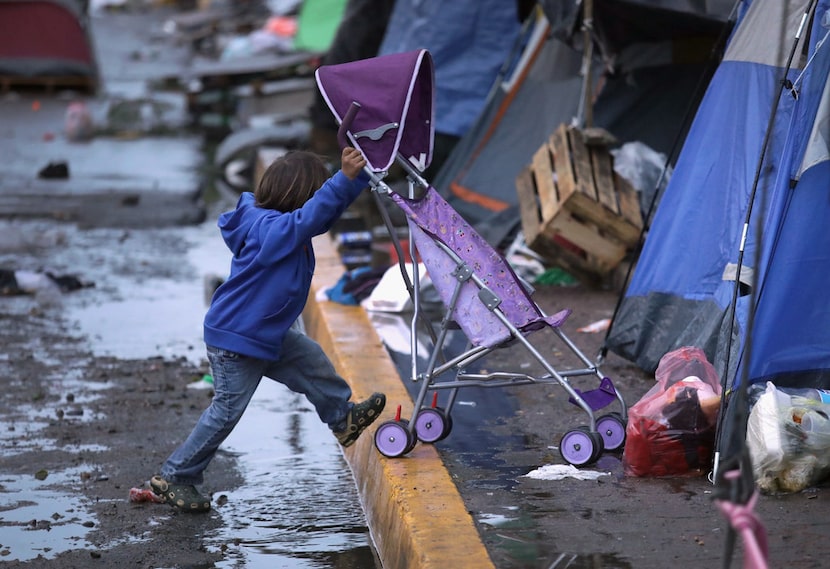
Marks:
<point>346,124</point>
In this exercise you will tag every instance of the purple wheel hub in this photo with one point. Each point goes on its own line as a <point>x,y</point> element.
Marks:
<point>577,447</point>
<point>430,425</point>
<point>392,439</point>
<point>612,429</point>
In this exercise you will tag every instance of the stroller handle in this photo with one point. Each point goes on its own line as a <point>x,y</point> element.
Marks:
<point>346,123</point>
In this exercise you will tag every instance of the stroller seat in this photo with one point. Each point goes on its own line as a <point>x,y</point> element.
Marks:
<point>447,242</point>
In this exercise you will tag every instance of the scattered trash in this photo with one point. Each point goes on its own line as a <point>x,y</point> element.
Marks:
<point>495,520</point>
<point>390,294</point>
<point>355,285</point>
<point>133,118</point>
<point>556,276</point>
<point>788,437</point>
<point>77,124</point>
<point>395,332</point>
<point>206,382</point>
<point>141,495</point>
<point>643,167</point>
<point>54,171</point>
<point>14,282</point>
<point>594,327</point>
<point>526,262</point>
<point>561,471</point>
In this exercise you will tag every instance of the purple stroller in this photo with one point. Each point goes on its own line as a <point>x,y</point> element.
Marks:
<point>384,106</point>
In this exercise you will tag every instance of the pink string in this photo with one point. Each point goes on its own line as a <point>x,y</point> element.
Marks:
<point>748,525</point>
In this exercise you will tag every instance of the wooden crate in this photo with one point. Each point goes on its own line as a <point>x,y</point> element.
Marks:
<point>576,211</point>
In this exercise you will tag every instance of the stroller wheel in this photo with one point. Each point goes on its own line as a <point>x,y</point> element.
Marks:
<point>393,438</point>
<point>612,429</point>
<point>432,425</point>
<point>580,446</point>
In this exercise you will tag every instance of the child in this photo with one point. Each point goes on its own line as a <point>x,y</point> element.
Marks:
<point>248,327</point>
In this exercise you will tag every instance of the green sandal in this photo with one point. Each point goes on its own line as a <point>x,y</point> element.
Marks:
<point>361,416</point>
<point>183,497</point>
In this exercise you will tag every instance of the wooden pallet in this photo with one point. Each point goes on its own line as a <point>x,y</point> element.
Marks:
<point>576,211</point>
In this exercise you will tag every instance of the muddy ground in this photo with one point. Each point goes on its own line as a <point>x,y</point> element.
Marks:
<point>91,427</point>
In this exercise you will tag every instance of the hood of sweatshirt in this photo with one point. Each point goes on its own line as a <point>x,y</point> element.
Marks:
<point>235,224</point>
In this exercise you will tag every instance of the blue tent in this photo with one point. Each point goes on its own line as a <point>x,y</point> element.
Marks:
<point>469,41</point>
<point>755,163</point>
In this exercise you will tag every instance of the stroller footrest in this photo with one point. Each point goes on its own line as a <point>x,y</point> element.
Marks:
<point>598,398</point>
<point>556,320</point>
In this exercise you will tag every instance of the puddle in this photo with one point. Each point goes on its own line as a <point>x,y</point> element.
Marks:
<point>159,315</point>
<point>477,410</point>
<point>496,520</point>
<point>306,511</point>
<point>40,521</point>
<point>18,437</point>
<point>573,561</point>
<point>20,429</point>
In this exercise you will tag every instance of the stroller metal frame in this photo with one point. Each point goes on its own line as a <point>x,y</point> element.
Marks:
<point>479,289</point>
<point>432,423</point>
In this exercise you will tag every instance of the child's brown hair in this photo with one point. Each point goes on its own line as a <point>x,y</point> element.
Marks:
<point>291,180</point>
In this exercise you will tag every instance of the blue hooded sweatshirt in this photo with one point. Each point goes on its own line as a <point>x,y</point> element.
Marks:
<point>271,270</point>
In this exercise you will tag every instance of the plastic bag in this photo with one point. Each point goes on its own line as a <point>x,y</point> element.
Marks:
<point>789,441</point>
<point>671,429</point>
<point>643,167</point>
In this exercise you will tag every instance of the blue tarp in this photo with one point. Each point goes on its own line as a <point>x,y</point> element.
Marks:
<point>682,289</point>
<point>469,41</point>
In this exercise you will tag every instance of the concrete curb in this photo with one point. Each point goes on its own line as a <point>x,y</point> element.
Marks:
<point>415,514</point>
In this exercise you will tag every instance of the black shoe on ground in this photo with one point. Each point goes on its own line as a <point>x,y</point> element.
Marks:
<point>183,497</point>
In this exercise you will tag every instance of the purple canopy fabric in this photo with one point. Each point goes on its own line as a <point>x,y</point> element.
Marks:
<point>396,98</point>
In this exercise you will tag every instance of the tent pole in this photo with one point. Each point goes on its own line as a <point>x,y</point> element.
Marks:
<point>586,116</point>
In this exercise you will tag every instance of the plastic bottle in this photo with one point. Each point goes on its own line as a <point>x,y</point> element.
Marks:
<point>821,395</point>
<point>815,422</point>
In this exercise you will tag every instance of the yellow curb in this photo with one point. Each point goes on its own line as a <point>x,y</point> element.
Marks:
<point>415,515</point>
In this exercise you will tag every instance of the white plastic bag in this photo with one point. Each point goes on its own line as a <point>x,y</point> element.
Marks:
<point>789,441</point>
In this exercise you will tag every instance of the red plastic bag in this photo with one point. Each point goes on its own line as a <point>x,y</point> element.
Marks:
<point>671,429</point>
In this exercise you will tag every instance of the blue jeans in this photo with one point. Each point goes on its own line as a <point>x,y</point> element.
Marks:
<point>303,367</point>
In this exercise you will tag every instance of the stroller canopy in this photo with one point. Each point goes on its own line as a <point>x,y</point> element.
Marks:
<point>395,94</point>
